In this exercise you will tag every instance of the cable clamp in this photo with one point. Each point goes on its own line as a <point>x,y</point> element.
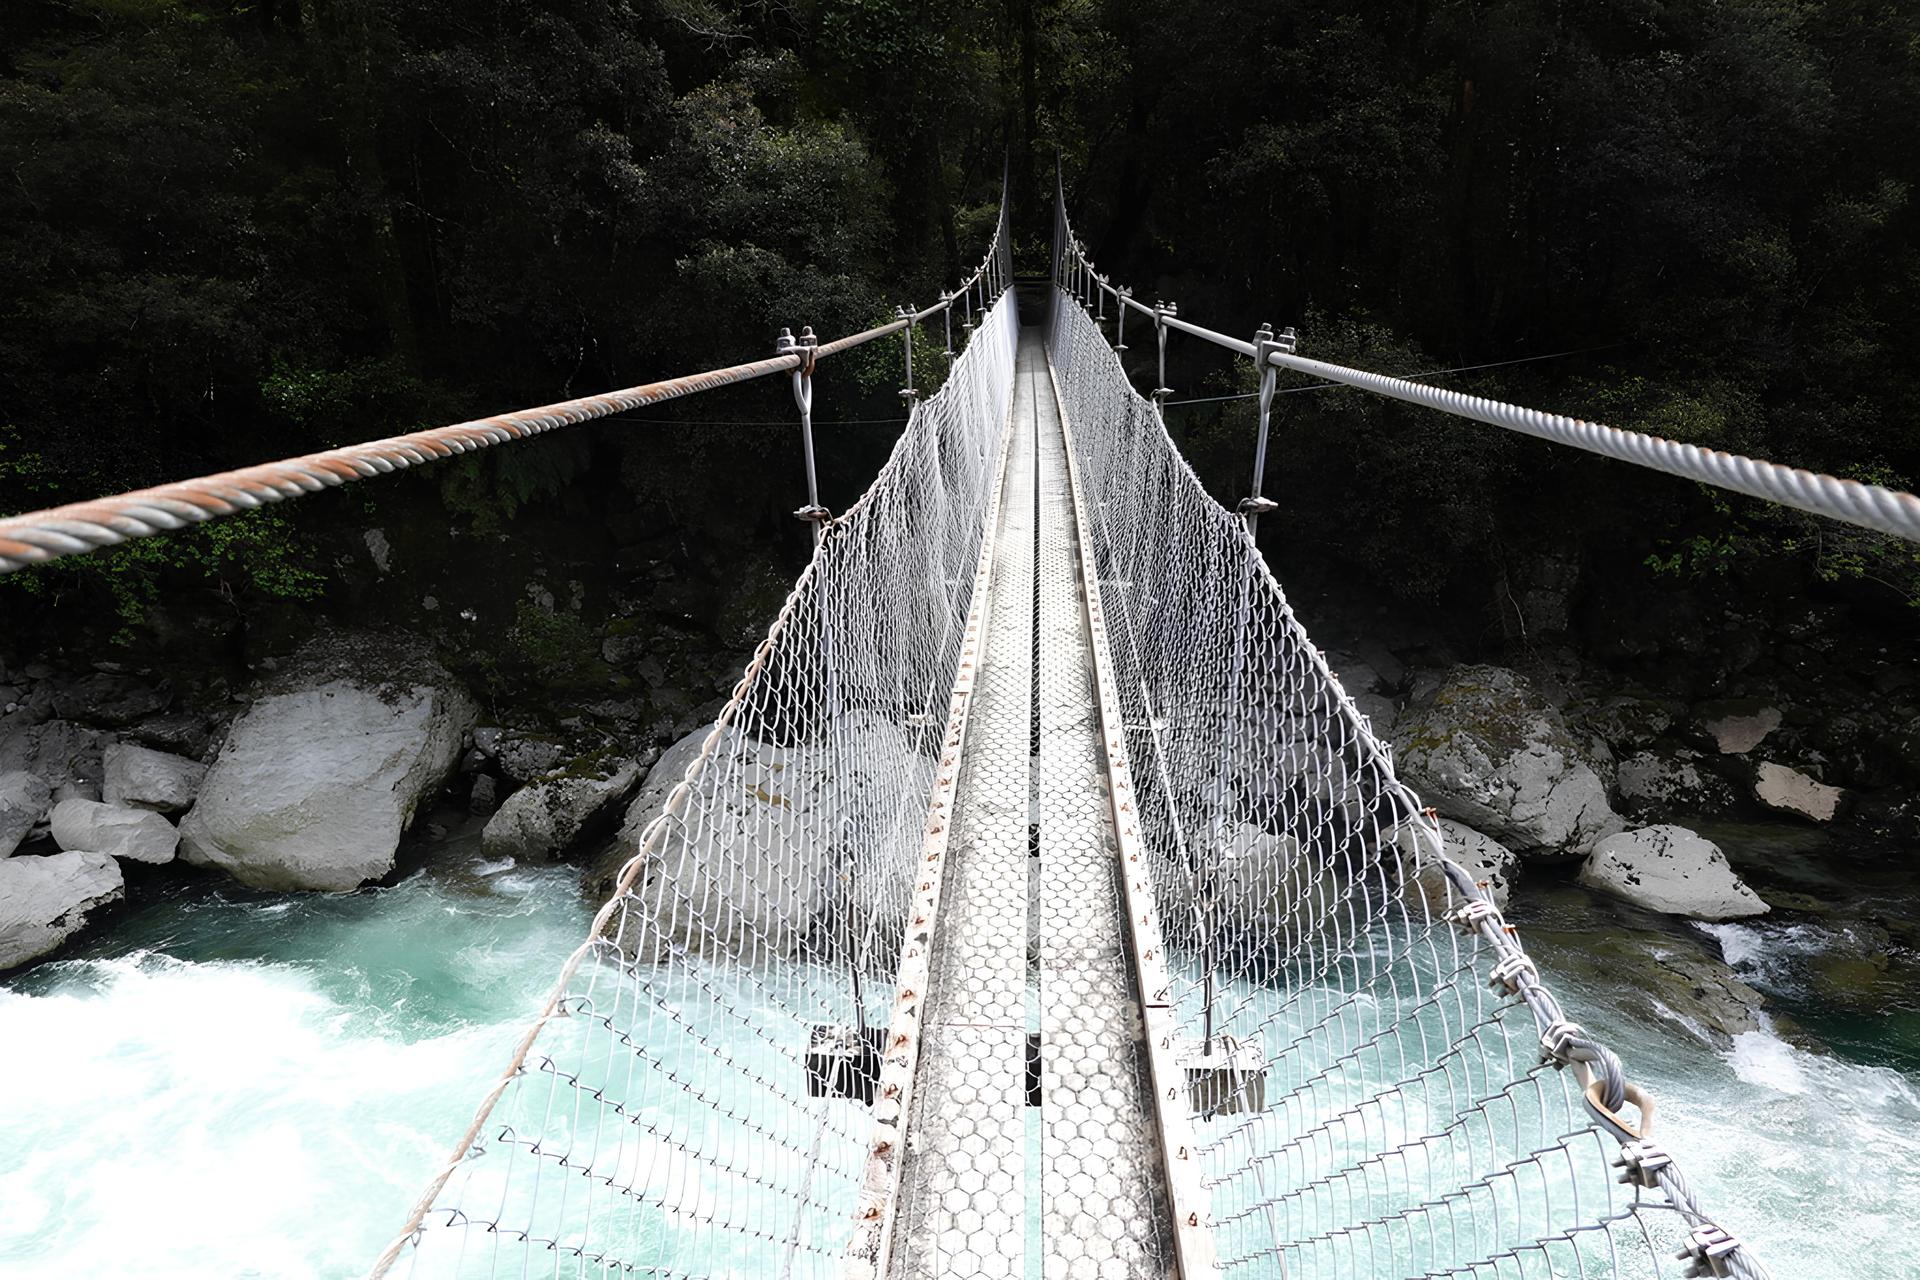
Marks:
<point>815,514</point>
<point>1470,914</point>
<point>1557,1041</point>
<point>1709,1252</point>
<point>1257,506</point>
<point>1513,974</point>
<point>1641,1163</point>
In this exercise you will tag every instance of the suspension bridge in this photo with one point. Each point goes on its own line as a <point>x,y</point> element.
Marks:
<point>1039,904</point>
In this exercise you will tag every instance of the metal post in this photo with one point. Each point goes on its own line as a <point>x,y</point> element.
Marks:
<point>946,314</point>
<point>804,346</point>
<point>908,393</point>
<point>1264,345</point>
<point>1120,333</point>
<point>1100,296</point>
<point>1161,310</point>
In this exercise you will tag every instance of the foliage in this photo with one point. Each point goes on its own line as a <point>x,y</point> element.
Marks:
<point>556,645</point>
<point>257,552</point>
<point>235,232</point>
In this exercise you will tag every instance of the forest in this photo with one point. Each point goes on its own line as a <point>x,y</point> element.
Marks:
<point>1004,875</point>
<point>232,231</point>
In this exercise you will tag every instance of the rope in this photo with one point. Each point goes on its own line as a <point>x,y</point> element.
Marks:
<point>1870,506</point>
<point>37,537</point>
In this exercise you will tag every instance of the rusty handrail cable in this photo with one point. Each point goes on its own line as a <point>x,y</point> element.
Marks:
<point>37,537</point>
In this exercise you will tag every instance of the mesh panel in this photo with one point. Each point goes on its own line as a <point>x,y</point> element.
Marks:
<point>1365,1104</point>
<point>697,1105</point>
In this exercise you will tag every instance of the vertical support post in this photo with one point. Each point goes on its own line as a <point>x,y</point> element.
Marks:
<point>946,314</point>
<point>1120,333</point>
<point>1100,297</point>
<point>804,346</point>
<point>1256,504</point>
<point>1161,310</point>
<point>908,392</point>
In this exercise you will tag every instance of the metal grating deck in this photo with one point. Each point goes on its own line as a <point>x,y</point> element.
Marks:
<point>965,1183</point>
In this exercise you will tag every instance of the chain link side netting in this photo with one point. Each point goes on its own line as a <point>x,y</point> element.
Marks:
<point>697,1101</point>
<point>1361,1044</point>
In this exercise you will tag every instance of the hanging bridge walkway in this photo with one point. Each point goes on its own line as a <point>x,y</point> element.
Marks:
<point>1040,905</point>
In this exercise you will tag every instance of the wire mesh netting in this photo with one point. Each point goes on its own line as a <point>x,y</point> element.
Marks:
<point>697,1102</point>
<point>1369,1096</point>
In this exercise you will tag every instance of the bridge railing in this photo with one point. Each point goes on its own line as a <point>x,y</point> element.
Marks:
<point>698,1095</point>
<point>1378,1079</point>
<point>1870,506</point>
<point>37,537</point>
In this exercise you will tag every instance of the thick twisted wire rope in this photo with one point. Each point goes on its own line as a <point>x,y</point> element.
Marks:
<point>1870,506</point>
<point>37,537</point>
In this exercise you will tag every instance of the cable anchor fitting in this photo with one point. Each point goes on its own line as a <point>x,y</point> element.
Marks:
<point>1513,975</point>
<point>1470,915</point>
<point>1558,1041</point>
<point>905,312</point>
<point>1709,1252</point>
<point>1257,506</point>
<point>1640,1164</point>
<point>1162,310</point>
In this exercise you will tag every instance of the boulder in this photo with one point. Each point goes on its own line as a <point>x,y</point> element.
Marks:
<point>773,841</point>
<point>24,800</point>
<point>1737,727</point>
<point>1670,869</point>
<point>1623,722</point>
<point>138,835</point>
<point>551,815</point>
<point>104,698</point>
<point>1485,749</point>
<point>1791,791</point>
<point>484,797</point>
<point>315,783</point>
<point>44,901</point>
<point>1379,711</point>
<point>524,757</point>
<point>181,733</point>
<point>1663,978</point>
<point>1671,783</point>
<point>147,779</point>
<point>66,754</point>
<point>1489,862</point>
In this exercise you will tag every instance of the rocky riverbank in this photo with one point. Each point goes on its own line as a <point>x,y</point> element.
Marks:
<point>1559,786</point>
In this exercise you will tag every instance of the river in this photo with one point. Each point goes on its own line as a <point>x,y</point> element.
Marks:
<point>225,1083</point>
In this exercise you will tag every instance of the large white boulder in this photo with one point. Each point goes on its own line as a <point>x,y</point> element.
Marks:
<point>550,815</point>
<point>773,841</point>
<point>148,779</point>
<point>1489,862</point>
<point>138,835</point>
<point>314,786</point>
<point>1670,869</point>
<point>44,901</point>
<point>1485,749</point>
<point>1789,790</point>
<point>24,798</point>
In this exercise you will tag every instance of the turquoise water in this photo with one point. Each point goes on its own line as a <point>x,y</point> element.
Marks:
<point>232,1084</point>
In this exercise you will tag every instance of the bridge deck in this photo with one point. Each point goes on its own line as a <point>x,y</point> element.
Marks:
<point>1031,934</point>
